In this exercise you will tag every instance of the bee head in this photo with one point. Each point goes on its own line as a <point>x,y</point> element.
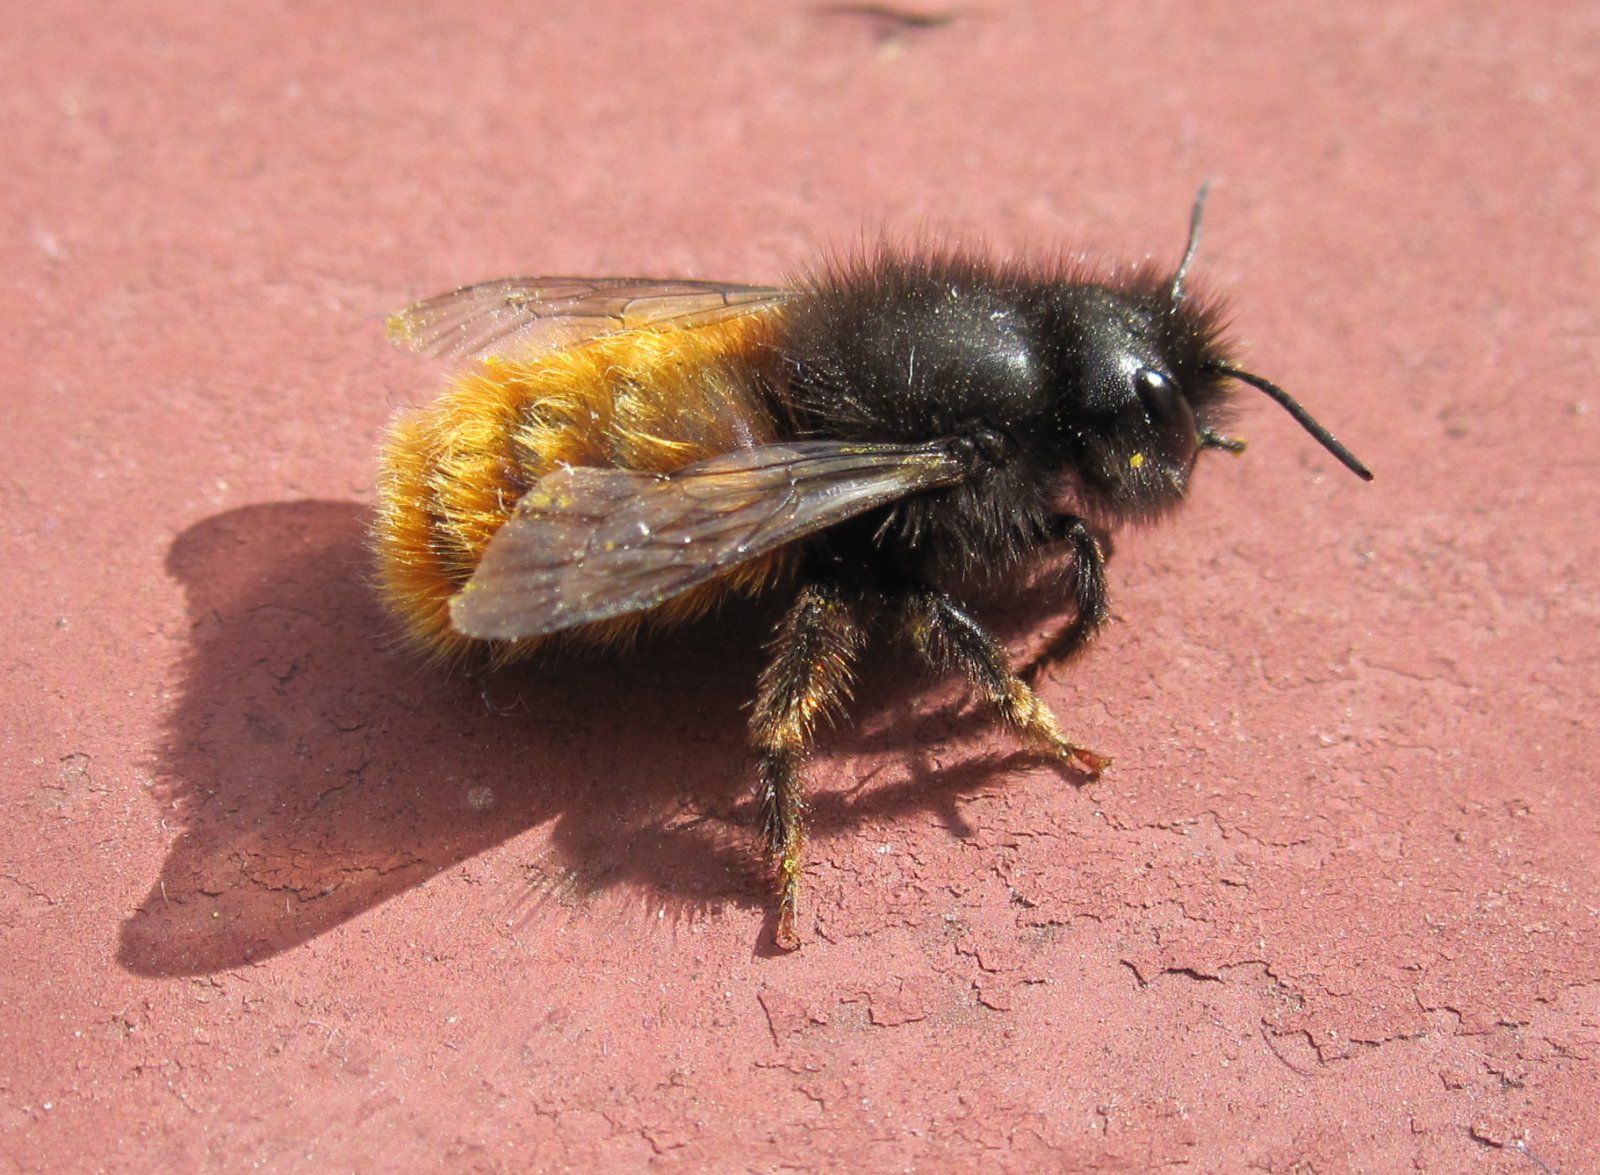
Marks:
<point>1145,383</point>
<point>1139,395</point>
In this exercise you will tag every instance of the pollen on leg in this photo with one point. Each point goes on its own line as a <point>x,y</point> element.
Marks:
<point>785,935</point>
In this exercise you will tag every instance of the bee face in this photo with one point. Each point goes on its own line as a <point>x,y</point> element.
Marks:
<point>1134,396</point>
<point>1166,434</point>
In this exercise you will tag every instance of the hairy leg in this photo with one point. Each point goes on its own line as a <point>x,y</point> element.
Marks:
<point>1088,591</point>
<point>808,678</point>
<point>951,639</point>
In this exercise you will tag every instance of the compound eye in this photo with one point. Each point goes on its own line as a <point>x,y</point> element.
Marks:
<point>1170,413</point>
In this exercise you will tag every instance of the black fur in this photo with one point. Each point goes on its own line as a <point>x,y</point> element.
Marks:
<point>1043,370</point>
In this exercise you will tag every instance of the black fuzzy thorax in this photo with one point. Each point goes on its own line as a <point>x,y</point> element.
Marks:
<point>910,349</point>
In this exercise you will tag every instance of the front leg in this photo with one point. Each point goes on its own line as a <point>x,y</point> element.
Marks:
<point>1088,590</point>
<point>807,678</point>
<point>951,639</point>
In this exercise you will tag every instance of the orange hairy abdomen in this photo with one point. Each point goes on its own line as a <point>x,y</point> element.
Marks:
<point>651,400</point>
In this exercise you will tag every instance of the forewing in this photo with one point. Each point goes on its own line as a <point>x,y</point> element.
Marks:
<point>525,315</point>
<point>588,544</point>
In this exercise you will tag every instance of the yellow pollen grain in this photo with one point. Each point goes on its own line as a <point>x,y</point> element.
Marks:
<point>1136,460</point>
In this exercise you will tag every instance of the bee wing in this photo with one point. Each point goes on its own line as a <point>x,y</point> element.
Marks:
<point>526,315</point>
<point>588,544</point>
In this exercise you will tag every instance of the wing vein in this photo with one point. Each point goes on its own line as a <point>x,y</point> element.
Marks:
<point>588,544</point>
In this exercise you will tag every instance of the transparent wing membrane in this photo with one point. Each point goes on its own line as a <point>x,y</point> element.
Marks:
<point>589,544</point>
<point>526,315</point>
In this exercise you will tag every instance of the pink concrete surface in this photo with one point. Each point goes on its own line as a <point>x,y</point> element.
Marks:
<point>273,895</point>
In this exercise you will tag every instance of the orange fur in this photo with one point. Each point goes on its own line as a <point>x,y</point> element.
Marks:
<point>653,400</point>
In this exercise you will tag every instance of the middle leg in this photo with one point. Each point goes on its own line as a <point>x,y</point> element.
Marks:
<point>949,638</point>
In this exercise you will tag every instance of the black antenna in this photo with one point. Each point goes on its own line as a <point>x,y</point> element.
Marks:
<point>1194,242</point>
<point>1307,421</point>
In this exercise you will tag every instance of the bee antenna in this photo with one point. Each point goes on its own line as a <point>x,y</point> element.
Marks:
<point>1307,421</point>
<point>1194,242</point>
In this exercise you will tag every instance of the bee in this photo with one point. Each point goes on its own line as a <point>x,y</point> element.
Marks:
<point>881,438</point>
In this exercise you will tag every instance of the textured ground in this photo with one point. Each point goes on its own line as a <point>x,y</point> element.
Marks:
<point>272,895</point>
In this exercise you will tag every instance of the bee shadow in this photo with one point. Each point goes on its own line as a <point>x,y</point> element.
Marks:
<point>311,772</point>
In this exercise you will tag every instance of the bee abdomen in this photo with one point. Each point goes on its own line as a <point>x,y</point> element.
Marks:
<point>651,400</point>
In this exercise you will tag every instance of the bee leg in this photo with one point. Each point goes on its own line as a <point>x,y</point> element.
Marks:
<point>951,639</point>
<point>1088,590</point>
<point>807,678</point>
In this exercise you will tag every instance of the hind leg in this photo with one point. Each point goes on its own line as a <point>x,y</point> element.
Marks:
<point>808,678</point>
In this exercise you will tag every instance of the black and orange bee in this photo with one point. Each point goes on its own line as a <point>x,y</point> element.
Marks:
<point>885,437</point>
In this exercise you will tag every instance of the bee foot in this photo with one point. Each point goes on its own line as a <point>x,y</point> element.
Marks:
<point>784,937</point>
<point>1082,759</point>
